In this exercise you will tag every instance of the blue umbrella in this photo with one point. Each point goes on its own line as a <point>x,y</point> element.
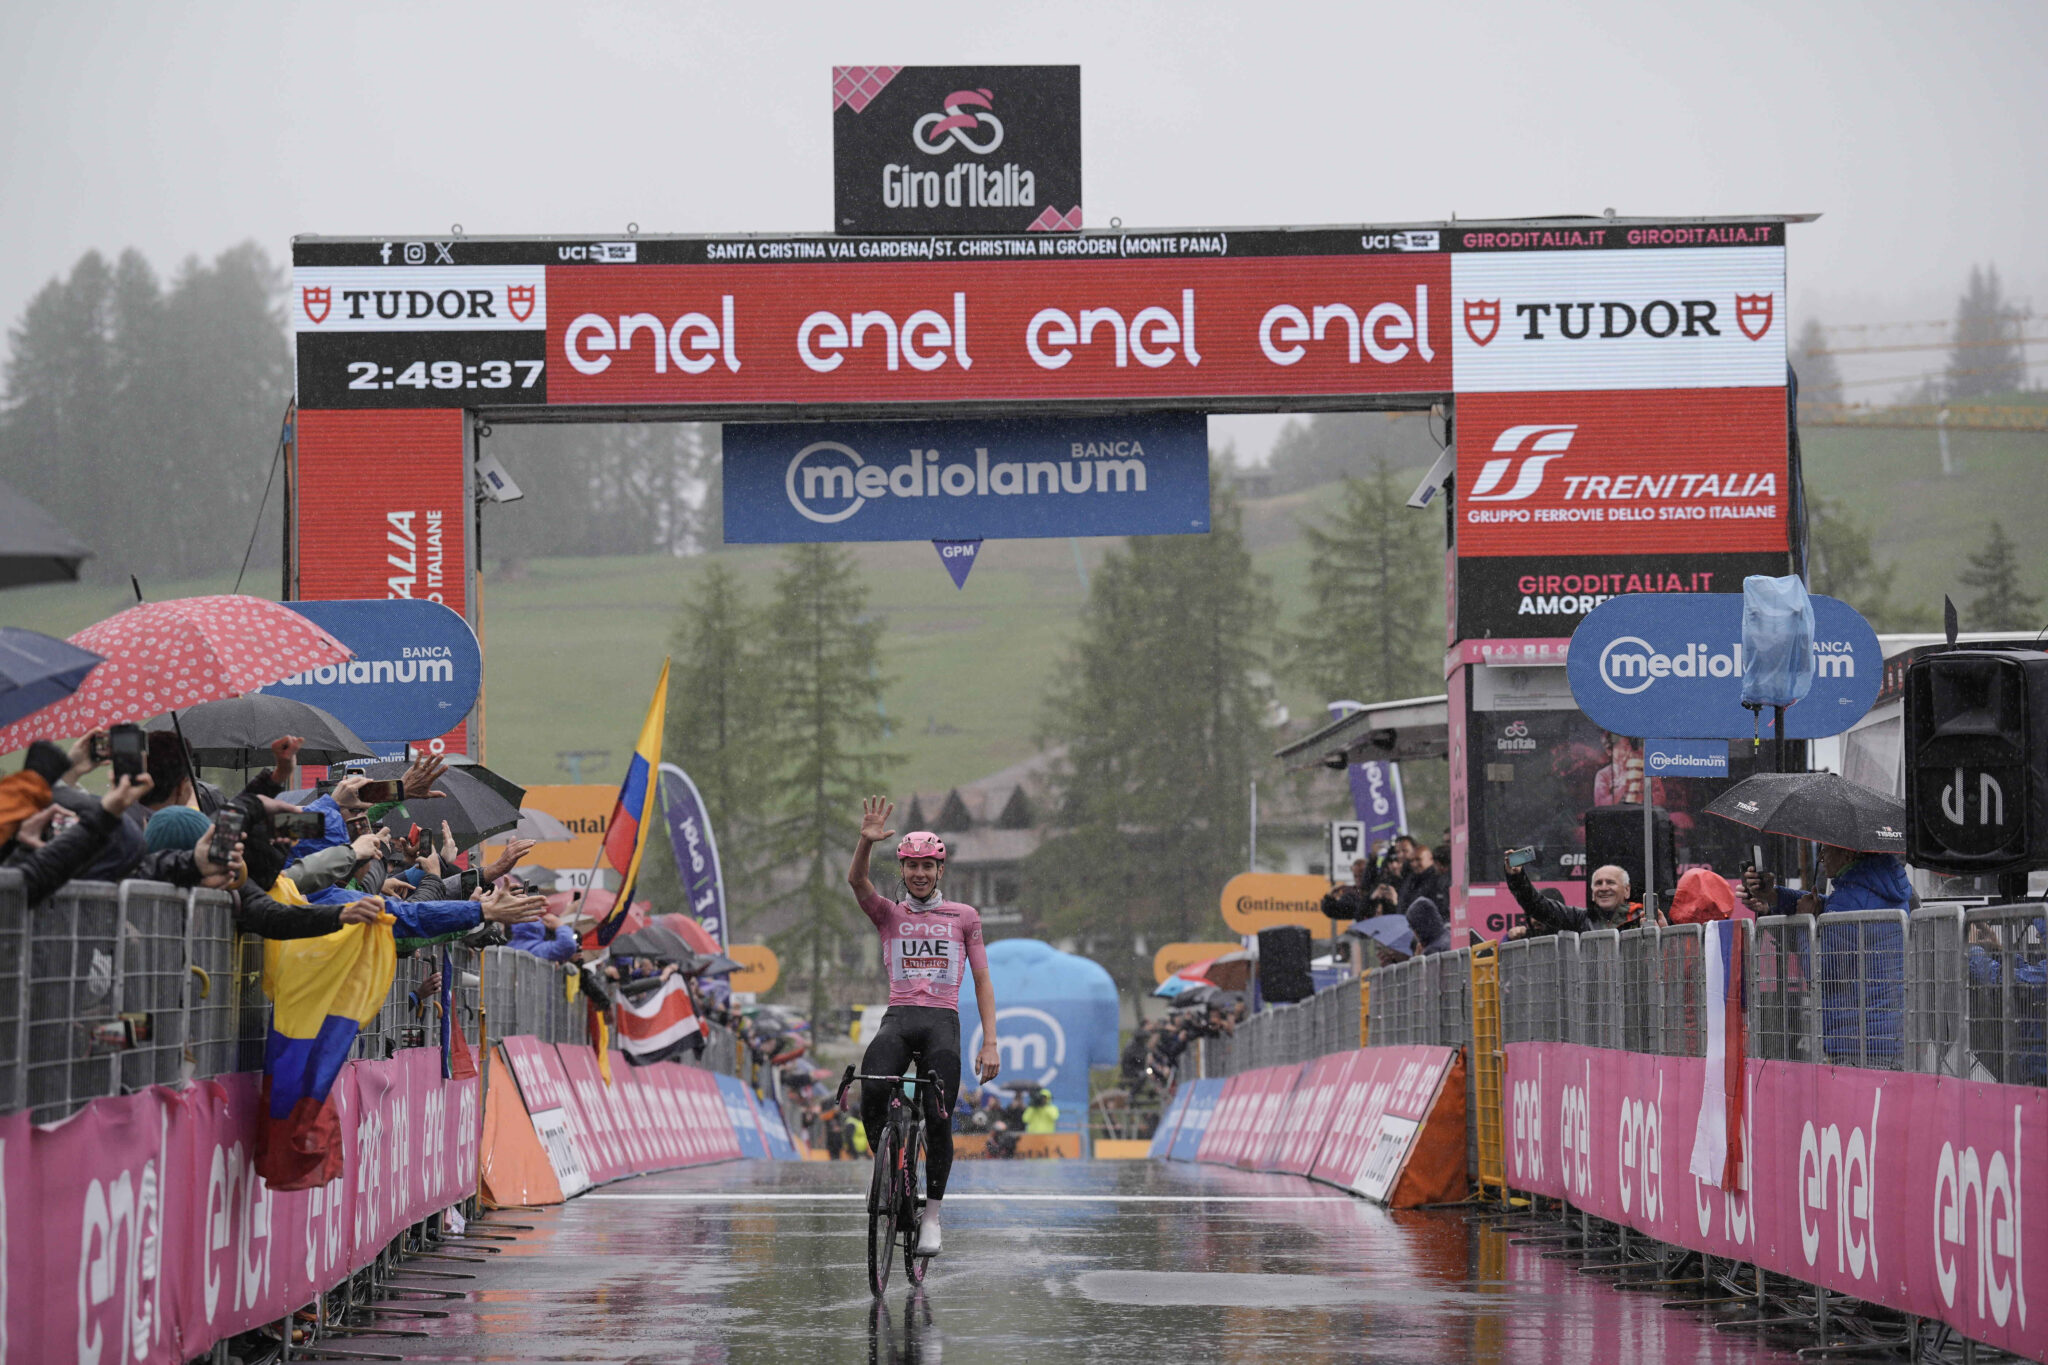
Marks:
<point>1174,985</point>
<point>1391,930</point>
<point>36,670</point>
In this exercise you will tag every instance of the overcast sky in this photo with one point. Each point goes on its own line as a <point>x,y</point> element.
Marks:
<point>1917,129</point>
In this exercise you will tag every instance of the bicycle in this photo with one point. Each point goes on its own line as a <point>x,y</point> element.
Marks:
<point>895,1209</point>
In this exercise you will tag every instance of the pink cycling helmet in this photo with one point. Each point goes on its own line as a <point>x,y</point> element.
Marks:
<point>921,843</point>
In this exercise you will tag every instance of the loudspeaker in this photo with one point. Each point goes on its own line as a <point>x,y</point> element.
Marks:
<point>1977,760</point>
<point>1283,964</point>
<point>1614,834</point>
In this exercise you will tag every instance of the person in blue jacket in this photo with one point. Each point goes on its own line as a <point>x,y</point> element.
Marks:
<point>547,938</point>
<point>1862,965</point>
<point>2006,1017</point>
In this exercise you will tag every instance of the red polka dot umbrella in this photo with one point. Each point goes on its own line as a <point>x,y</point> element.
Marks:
<point>165,655</point>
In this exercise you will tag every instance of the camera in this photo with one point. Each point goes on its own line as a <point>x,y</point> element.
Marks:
<point>128,749</point>
<point>228,824</point>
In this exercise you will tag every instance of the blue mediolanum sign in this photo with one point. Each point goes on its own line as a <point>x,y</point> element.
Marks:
<point>941,480</point>
<point>1671,664</point>
<point>415,673</point>
<point>1686,757</point>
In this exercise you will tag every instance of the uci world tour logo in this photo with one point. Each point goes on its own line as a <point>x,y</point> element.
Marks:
<point>980,133</point>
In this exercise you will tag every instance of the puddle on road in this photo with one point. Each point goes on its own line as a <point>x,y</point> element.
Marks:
<point>1224,1289</point>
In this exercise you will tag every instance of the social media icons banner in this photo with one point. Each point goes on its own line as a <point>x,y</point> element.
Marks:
<point>956,481</point>
<point>1671,664</point>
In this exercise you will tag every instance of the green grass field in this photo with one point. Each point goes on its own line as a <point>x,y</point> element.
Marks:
<point>1925,524</point>
<point>573,645</point>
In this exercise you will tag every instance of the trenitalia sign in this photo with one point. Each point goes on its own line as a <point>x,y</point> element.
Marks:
<point>1095,319</point>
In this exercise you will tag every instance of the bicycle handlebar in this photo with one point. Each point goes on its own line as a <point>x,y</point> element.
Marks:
<point>846,1083</point>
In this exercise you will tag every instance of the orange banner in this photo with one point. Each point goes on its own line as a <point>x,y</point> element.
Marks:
<point>515,1168</point>
<point>1265,900</point>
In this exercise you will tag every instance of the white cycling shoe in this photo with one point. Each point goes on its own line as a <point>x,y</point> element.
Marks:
<point>928,1235</point>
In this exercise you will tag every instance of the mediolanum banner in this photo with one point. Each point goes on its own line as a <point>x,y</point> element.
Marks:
<point>1111,476</point>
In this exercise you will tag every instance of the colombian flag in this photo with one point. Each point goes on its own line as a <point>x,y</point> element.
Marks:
<point>322,991</point>
<point>625,837</point>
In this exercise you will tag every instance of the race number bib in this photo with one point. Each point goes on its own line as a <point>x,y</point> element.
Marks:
<point>924,959</point>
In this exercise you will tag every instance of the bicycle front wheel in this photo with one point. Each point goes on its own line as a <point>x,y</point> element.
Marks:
<point>914,1265</point>
<point>883,1200</point>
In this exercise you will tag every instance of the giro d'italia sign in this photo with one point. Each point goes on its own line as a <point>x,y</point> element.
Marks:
<point>960,481</point>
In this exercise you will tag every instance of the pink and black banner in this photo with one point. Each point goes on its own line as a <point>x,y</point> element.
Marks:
<point>1894,1187</point>
<point>156,1238</point>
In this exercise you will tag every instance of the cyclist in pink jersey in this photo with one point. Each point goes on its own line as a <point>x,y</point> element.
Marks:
<point>928,944</point>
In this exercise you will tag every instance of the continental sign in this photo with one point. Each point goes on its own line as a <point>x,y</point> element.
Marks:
<point>1265,900</point>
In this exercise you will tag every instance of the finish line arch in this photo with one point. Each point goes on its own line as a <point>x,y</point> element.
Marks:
<point>1591,367</point>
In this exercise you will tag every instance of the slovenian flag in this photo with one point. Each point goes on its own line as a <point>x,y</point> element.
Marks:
<point>322,991</point>
<point>625,837</point>
<point>1717,1155</point>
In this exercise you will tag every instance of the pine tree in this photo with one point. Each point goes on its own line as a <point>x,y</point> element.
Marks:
<point>1820,379</point>
<point>2001,603</point>
<point>1162,723</point>
<point>1841,563</point>
<point>1987,358</point>
<point>147,419</point>
<point>823,656</point>
<point>1375,624</point>
<point>721,718</point>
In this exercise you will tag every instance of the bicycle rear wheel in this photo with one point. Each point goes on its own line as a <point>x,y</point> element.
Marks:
<point>914,1265</point>
<point>883,1200</point>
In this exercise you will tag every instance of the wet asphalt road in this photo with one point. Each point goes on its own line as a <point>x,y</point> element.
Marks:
<point>1044,1262</point>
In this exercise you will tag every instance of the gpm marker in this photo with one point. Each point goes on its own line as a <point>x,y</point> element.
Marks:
<point>958,556</point>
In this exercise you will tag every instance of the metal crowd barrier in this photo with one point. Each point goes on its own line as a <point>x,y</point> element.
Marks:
<point>107,989</point>
<point>1946,990</point>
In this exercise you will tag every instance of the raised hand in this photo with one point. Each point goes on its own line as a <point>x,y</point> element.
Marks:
<point>874,818</point>
<point>420,778</point>
<point>508,859</point>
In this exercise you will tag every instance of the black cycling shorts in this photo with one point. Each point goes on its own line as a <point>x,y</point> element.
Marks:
<point>931,1037</point>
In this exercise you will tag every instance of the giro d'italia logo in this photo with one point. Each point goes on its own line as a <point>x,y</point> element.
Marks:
<point>980,132</point>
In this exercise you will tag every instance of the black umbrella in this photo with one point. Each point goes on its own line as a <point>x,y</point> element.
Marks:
<point>714,964</point>
<point>656,941</point>
<point>36,670</point>
<point>503,786</point>
<point>236,732</point>
<point>1824,807</point>
<point>472,810</point>
<point>34,548</point>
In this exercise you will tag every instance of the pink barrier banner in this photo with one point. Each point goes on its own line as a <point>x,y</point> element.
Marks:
<point>602,1144</point>
<point>1894,1187</point>
<point>1224,1136</point>
<point>1307,1120</point>
<point>155,1238</point>
<point>1380,1102</point>
<point>1275,1090</point>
